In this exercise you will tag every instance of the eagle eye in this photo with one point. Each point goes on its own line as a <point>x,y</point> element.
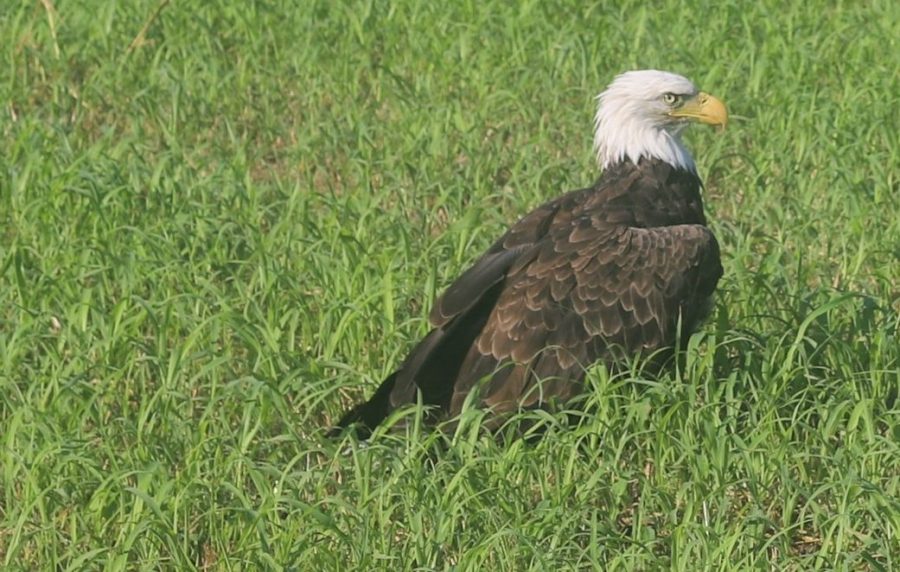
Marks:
<point>671,99</point>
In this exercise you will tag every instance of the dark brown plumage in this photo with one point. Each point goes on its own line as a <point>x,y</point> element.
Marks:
<point>596,274</point>
<point>614,267</point>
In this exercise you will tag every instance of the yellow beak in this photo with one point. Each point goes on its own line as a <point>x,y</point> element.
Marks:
<point>704,108</point>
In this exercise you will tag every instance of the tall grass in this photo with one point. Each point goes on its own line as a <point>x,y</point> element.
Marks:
<point>223,222</point>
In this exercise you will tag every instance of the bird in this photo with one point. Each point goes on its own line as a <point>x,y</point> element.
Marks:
<point>624,267</point>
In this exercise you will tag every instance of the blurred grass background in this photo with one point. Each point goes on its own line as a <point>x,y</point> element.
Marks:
<point>223,222</point>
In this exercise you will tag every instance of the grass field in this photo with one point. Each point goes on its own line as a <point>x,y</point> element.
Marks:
<point>224,222</point>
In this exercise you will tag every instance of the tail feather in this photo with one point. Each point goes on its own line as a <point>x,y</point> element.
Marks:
<point>365,416</point>
<point>431,370</point>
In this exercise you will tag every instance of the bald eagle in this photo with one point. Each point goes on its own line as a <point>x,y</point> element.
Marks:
<point>626,266</point>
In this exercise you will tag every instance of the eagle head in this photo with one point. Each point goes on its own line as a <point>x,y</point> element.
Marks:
<point>642,114</point>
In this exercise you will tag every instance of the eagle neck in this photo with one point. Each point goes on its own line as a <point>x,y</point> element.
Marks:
<point>616,140</point>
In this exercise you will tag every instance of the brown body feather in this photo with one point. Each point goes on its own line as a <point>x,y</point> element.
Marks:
<point>593,275</point>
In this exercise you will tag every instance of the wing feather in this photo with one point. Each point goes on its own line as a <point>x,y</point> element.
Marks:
<point>634,299</point>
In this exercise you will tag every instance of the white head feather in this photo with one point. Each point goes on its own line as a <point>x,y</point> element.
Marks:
<point>632,119</point>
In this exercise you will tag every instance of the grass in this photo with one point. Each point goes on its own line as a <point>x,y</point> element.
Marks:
<point>224,222</point>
